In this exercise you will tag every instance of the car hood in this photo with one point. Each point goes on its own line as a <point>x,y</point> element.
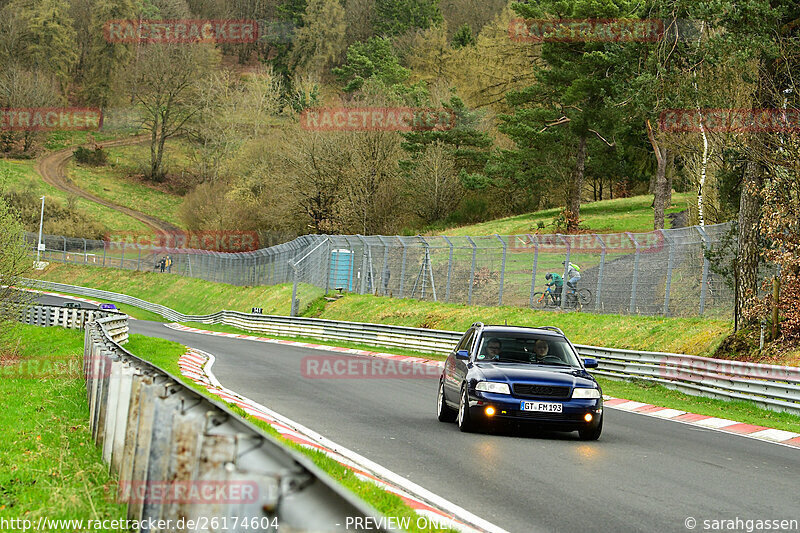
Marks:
<point>527,373</point>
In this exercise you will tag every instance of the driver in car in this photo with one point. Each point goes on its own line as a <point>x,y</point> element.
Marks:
<point>540,350</point>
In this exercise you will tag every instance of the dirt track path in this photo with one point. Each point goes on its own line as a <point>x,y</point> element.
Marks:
<point>52,168</point>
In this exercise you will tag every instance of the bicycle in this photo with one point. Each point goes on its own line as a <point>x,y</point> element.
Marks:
<point>549,300</point>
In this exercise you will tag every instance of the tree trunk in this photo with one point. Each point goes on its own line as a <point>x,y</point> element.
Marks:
<point>576,187</point>
<point>660,192</point>
<point>749,217</point>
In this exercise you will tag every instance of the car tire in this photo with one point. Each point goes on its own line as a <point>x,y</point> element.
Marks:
<point>465,422</point>
<point>444,412</point>
<point>592,433</point>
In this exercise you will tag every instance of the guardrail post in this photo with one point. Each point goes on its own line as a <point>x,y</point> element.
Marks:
<point>502,269</point>
<point>472,269</point>
<point>670,265</point>
<point>600,270</point>
<point>635,281</point>
<point>565,287</point>
<point>449,269</point>
<point>403,267</point>
<point>704,281</point>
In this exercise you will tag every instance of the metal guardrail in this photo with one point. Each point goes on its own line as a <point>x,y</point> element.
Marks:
<point>181,455</point>
<point>71,318</point>
<point>769,386</point>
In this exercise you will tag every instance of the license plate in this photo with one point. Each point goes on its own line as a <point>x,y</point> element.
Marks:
<point>541,407</point>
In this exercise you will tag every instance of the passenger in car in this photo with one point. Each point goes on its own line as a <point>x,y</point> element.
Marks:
<point>540,350</point>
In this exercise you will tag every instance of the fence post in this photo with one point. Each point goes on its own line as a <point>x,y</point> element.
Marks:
<point>139,259</point>
<point>363,284</point>
<point>105,247</point>
<point>635,282</point>
<point>449,269</point>
<point>403,267</point>
<point>293,307</point>
<point>600,272</point>
<point>704,282</point>
<point>65,248</point>
<point>472,270</point>
<point>329,247</point>
<point>502,268</point>
<point>84,251</point>
<point>385,281</point>
<point>122,259</point>
<point>535,265</point>
<point>565,287</point>
<point>670,265</point>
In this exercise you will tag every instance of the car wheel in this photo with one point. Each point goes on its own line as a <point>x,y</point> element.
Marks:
<point>465,422</point>
<point>443,411</point>
<point>592,433</point>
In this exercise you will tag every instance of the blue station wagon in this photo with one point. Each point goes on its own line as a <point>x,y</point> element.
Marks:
<point>499,374</point>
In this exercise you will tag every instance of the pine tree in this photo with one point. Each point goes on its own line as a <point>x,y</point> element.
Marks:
<point>393,17</point>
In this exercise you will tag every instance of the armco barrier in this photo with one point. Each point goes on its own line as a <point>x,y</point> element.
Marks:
<point>71,318</point>
<point>770,386</point>
<point>180,455</point>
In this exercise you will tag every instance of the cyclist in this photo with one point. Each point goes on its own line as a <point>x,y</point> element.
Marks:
<point>573,275</point>
<point>555,279</point>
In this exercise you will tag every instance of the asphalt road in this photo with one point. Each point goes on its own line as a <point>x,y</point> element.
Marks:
<point>644,474</point>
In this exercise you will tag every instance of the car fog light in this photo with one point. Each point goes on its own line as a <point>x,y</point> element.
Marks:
<point>489,411</point>
<point>588,417</point>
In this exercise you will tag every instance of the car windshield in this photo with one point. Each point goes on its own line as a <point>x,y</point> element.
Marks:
<point>526,348</point>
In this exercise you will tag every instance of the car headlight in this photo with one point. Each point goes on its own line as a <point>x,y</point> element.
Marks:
<point>491,386</point>
<point>585,393</point>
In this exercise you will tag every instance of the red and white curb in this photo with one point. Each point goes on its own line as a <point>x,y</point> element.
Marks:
<point>774,436</point>
<point>434,511</point>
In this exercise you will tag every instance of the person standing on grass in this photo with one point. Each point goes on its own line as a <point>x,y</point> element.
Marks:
<point>162,263</point>
<point>169,264</point>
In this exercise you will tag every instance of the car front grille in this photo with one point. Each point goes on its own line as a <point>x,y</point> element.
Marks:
<point>525,390</point>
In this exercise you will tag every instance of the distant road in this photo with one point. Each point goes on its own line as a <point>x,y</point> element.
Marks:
<point>52,169</point>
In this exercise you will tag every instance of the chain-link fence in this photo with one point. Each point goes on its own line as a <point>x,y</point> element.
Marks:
<point>663,272</point>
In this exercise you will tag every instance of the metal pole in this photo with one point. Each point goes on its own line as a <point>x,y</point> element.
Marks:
<point>472,270</point>
<point>363,283</point>
<point>632,308</point>
<point>84,251</point>
<point>502,269</point>
<point>535,265</point>
<point>600,272</point>
<point>41,223</point>
<point>328,276</point>
<point>65,249</point>
<point>449,269</point>
<point>704,281</point>
<point>670,265</point>
<point>403,268</point>
<point>139,259</point>
<point>565,287</point>
<point>293,307</point>
<point>384,282</point>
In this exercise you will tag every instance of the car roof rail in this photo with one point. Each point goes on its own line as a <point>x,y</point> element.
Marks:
<point>477,325</point>
<point>552,328</point>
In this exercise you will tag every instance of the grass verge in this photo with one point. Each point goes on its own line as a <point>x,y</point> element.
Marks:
<point>49,466</point>
<point>633,214</point>
<point>165,354</point>
<point>695,336</point>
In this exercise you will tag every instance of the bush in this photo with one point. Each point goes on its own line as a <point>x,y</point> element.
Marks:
<point>96,157</point>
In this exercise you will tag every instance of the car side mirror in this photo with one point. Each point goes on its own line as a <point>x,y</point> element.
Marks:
<point>590,363</point>
<point>462,355</point>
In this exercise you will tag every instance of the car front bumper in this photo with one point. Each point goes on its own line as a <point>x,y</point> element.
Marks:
<point>509,408</point>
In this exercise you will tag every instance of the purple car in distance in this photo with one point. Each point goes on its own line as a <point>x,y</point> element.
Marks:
<point>109,307</point>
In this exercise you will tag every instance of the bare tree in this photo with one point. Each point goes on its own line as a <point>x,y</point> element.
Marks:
<point>167,80</point>
<point>434,187</point>
<point>14,264</point>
